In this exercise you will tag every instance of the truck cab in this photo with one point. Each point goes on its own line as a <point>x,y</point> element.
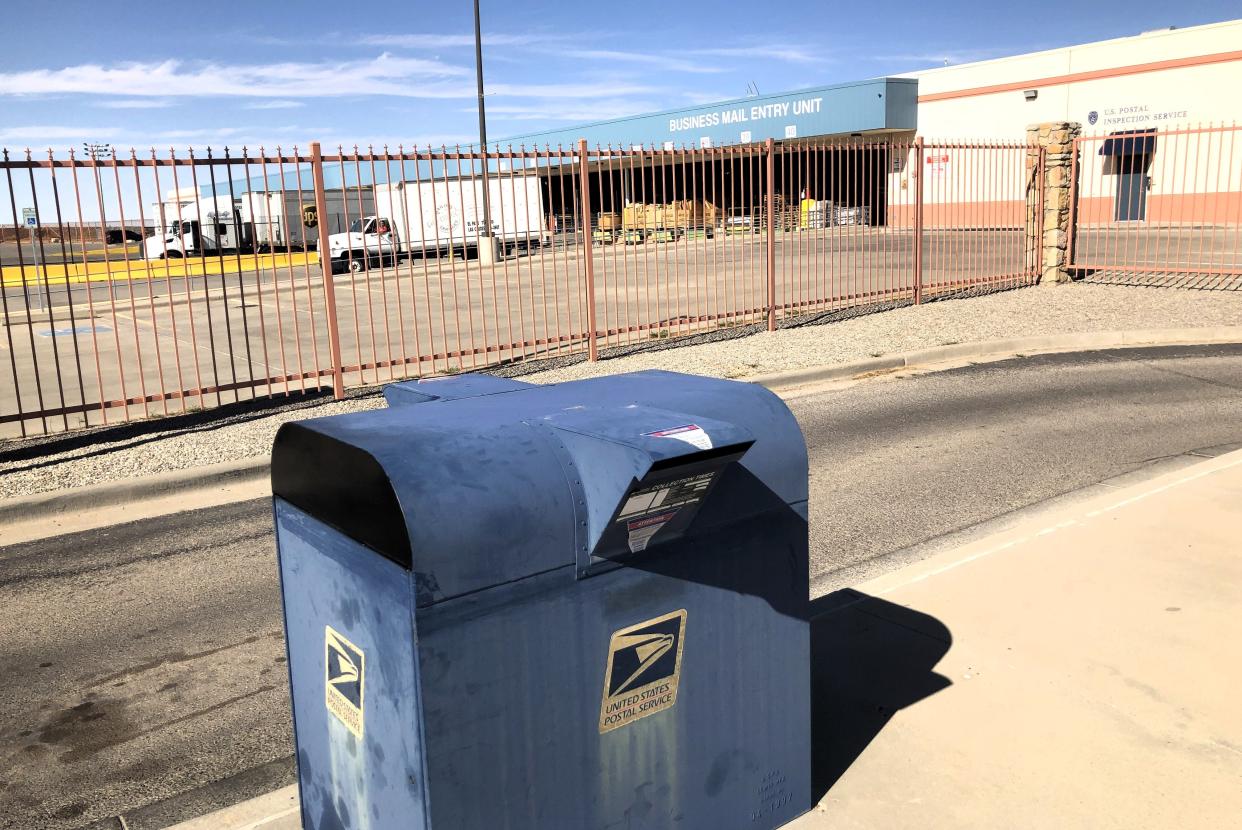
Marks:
<point>369,240</point>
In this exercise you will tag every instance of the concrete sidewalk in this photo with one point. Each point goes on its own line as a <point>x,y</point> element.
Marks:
<point>1076,671</point>
<point>1093,662</point>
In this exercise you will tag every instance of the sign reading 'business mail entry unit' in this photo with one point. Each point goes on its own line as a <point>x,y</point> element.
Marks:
<point>644,669</point>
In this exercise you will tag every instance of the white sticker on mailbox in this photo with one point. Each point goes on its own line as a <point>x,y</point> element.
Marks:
<point>641,530</point>
<point>666,496</point>
<point>692,434</point>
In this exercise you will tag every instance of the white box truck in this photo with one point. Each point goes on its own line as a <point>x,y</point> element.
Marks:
<point>288,220</point>
<point>255,221</point>
<point>433,217</point>
<point>210,225</point>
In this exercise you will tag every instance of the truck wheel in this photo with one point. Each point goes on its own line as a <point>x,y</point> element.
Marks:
<point>172,255</point>
<point>357,265</point>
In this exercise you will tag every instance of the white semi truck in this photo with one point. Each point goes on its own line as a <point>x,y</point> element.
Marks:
<point>435,217</point>
<point>254,221</point>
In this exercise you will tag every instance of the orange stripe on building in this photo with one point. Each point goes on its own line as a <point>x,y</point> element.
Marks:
<point>1096,74</point>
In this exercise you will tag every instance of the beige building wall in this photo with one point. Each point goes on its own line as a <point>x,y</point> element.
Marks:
<point>1165,79</point>
<point>1172,82</point>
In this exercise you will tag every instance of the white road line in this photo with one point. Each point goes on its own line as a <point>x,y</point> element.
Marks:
<point>1163,487</point>
<point>958,563</point>
<point>169,332</point>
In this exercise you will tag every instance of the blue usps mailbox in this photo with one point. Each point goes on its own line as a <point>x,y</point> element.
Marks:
<point>574,606</point>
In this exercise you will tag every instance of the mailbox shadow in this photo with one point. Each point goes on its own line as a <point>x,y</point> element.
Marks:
<point>869,659</point>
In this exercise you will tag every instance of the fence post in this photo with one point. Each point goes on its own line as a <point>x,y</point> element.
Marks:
<point>325,266</point>
<point>1071,229</point>
<point>1057,142</point>
<point>918,220</point>
<point>770,150</point>
<point>584,200</point>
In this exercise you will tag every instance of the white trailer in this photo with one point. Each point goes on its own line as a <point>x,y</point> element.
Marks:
<point>283,220</point>
<point>434,217</point>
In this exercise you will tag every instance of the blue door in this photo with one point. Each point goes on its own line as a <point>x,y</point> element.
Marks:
<point>1131,204</point>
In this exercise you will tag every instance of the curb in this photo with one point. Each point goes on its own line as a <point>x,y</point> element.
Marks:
<point>1001,349</point>
<point>277,809</point>
<point>76,499</point>
<point>60,502</point>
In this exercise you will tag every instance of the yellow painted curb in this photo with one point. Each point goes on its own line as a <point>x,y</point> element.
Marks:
<point>63,274</point>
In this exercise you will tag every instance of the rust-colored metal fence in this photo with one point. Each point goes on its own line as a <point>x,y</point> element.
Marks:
<point>276,273</point>
<point>1158,207</point>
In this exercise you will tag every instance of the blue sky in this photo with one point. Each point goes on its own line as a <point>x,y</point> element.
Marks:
<point>177,74</point>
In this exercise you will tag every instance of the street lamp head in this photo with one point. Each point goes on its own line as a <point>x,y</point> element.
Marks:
<point>97,149</point>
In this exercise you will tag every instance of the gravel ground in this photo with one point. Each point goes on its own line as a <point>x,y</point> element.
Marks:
<point>1032,311</point>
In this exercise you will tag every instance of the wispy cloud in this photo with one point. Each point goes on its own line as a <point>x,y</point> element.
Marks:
<point>709,97</point>
<point>134,103</point>
<point>587,90</point>
<point>579,112</point>
<point>40,133</point>
<point>452,41</point>
<point>667,63</point>
<point>250,137</point>
<point>785,52</point>
<point>942,58</point>
<point>275,105</point>
<point>386,75</point>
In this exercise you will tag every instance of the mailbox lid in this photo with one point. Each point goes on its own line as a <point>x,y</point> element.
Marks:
<point>468,493</point>
<point>463,506</point>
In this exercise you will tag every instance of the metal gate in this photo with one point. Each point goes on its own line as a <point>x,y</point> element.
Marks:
<point>1158,207</point>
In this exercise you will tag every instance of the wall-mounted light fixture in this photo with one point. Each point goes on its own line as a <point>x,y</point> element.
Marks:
<point>1030,94</point>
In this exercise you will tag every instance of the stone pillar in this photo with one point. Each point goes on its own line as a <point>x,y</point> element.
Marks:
<point>1056,139</point>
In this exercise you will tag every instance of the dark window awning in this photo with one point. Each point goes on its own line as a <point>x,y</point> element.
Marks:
<point>1129,143</point>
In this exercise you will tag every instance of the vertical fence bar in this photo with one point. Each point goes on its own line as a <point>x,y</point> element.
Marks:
<point>65,255</point>
<point>1071,229</point>
<point>8,330</point>
<point>41,257</point>
<point>918,220</point>
<point>769,151</point>
<point>325,266</point>
<point>584,195</point>
<point>1041,197</point>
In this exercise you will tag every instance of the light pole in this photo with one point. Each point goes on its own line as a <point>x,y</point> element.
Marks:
<point>96,151</point>
<point>487,243</point>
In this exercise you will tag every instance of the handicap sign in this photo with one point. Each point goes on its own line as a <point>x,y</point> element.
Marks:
<point>29,217</point>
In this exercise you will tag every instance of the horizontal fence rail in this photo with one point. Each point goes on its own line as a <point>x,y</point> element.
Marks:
<point>138,285</point>
<point>1159,207</point>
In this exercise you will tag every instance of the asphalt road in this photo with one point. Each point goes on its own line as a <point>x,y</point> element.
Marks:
<point>143,664</point>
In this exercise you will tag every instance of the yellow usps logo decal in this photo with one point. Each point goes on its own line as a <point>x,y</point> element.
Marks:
<point>643,672</point>
<point>344,680</point>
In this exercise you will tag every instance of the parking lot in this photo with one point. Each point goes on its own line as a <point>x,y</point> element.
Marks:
<point>229,332</point>
<point>258,324</point>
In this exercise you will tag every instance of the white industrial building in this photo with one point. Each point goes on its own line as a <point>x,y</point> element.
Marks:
<point>1158,109</point>
<point>1166,79</point>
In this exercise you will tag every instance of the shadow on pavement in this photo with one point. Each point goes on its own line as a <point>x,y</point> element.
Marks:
<point>869,659</point>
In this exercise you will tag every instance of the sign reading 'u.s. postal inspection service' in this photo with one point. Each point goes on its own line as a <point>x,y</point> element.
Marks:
<point>644,669</point>
<point>344,680</point>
